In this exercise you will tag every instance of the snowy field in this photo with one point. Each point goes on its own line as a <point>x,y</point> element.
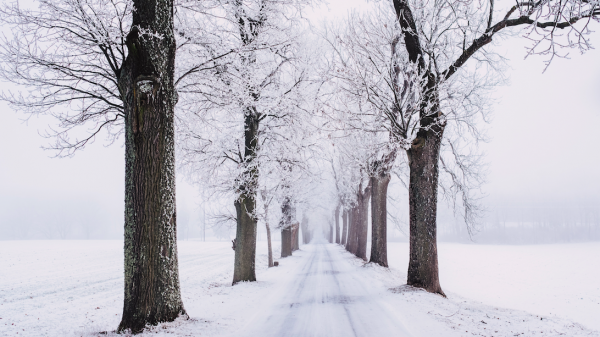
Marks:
<point>74,288</point>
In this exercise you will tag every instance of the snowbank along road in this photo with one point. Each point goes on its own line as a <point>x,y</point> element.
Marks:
<point>75,288</point>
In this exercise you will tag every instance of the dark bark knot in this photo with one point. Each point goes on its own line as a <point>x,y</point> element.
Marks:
<point>418,142</point>
<point>144,93</point>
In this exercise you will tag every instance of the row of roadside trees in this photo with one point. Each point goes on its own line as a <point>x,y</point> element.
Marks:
<point>255,102</point>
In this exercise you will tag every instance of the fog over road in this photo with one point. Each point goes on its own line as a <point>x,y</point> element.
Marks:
<point>325,295</point>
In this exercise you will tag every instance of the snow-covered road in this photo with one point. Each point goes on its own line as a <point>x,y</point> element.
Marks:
<point>75,288</point>
<point>325,295</point>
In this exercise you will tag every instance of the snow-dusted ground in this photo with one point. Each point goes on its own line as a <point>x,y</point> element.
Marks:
<point>551,280</point>
<point>74,288</point>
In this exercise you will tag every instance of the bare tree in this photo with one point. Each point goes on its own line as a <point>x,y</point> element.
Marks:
<point>234,116</point>
<point>103,65</point>
<point>147,85</point>
<point>439,39</point>
<point>69,55</point>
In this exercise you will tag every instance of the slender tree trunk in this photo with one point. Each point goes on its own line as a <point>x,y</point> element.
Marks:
<point>379,185</point>
<point>349,238</point>
<point>305,234</point>
<point>363,222</point>
<point>295,237</point>
<point>297,241</point>
<point>344,226</point>
<point>152,292</point>
<point>330,233</point>
<point>337,224</point>
<point>423,159</point>
<point>269,244</point>
<point>353,234</point>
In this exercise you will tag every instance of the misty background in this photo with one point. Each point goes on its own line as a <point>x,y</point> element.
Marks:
<point>542,178</point>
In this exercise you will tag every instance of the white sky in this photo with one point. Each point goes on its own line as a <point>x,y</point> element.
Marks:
<point>544,146</point>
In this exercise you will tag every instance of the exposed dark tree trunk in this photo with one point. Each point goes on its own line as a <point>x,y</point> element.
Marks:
<point>245,240</point>
<point>349,238</point>
<point>286,228</point>
<point>379,185</point>
<point>337,224</point>
<point>352,244</point>
<point>345,226</point>
<point>363,221</point>
<point>152,292</point>
<point>269,245</point>
<point>295,237</point>
<point>286,242</point>
<point>245,205</point>
<point>423,159</point>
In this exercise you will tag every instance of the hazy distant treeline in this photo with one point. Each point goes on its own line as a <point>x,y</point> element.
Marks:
<point>531,223</point>
<point>505,222</point>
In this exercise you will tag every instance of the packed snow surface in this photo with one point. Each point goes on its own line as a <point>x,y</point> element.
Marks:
<point>75,288</point>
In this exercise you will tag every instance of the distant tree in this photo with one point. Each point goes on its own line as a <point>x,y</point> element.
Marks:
<point>266,202</point>
<point>234,116</point>
<point>401,76</point>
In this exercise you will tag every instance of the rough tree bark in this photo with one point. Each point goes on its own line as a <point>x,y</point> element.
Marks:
<point>245,205</point>
<point>152,292</point>
<point>344,226</point>
<point>379,185</point>
<point>286,242</point>
<point>245,239</point>
<point>269,245</point>
<point>423,159</point>
<point>286,228</point>
<point>295,237</point>
<point>337,224</point>
<point>363,222</point>
<point>352,244</point>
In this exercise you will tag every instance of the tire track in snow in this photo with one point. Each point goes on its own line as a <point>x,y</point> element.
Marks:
<point>327,296</point>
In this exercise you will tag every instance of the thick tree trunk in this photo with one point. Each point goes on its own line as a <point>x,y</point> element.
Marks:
<point>152,292</point>
<point>337,224</point>
<point>344,226</point>
<point>423,159</point>
<point>363,222</point>
<point>286,242</point>
<point>245,240</point>
<point>379,185</point>
<point>286,228</point>
<point>245,244</point>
